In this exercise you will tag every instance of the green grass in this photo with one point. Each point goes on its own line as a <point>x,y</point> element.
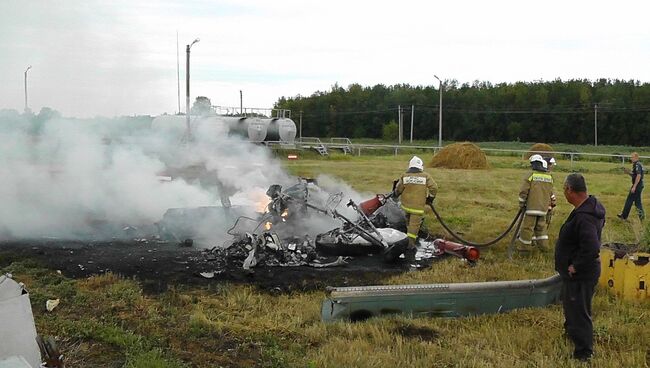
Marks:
<point>106,321</point>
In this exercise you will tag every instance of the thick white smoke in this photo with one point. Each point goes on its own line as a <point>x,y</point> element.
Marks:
<point>90,179</point>
<point>72,178</point>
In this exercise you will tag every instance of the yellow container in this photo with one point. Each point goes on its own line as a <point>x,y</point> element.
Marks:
<point>625,275</point>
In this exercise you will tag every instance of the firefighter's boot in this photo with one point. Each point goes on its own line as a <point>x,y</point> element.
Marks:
<point>409,254</point>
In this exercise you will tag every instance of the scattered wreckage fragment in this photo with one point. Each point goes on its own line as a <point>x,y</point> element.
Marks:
<point>438,300</point>
<point>20,346</point>
<point>381,229</point>
<point>18,332</point>
<point>259,242</point>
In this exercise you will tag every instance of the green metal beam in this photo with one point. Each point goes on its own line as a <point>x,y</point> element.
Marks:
<point>438,300</point>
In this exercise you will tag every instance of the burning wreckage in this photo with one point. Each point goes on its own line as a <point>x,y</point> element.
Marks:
<point>284,234</point>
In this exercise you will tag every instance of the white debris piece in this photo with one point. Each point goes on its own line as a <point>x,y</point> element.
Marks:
<point>18,332</point>
<point>50,304</point>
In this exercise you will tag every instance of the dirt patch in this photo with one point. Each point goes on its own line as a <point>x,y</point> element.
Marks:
<point>463,155</point>
<point>539,148</point>
<point>415,332</point>
<point>157,266</point>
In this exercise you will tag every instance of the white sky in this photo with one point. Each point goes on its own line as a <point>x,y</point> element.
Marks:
<point>108,58</point>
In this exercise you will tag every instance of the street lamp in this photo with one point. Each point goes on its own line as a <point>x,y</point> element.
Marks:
<point>26,70</point>
<point>188,134</point>
<point>440,113</point>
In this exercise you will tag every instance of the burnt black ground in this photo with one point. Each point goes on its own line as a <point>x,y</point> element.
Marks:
<point>159,265</point>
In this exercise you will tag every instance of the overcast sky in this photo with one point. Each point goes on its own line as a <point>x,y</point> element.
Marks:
<point>110,58</point>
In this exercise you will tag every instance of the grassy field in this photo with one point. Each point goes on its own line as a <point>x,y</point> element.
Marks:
<point>106,321</point>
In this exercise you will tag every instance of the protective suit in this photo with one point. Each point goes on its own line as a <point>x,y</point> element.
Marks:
<point>536,194</point>
<point>415,187</point>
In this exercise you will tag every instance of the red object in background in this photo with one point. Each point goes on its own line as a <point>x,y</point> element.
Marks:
<point>370,206</point>
<point>292,157</point>
<point>468,252</point>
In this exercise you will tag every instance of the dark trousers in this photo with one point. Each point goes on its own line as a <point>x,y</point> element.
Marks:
<point>576,301</point>
<point>636,199</point>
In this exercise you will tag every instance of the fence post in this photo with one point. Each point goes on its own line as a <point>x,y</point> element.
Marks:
<point>571,160</point>
<point>359,148</point>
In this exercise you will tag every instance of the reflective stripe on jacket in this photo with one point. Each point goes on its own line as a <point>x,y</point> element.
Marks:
<point>413,188</point>
<point>536,191</point>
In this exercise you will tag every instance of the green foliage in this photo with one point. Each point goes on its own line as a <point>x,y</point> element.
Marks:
<point>150,359</point>
<point>541,111</point>
<point>644,243</point>
<point>390,131</point>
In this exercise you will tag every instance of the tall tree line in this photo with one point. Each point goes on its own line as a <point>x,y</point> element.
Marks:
<point>541,111</point>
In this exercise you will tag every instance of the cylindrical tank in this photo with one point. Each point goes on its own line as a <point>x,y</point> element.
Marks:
<point>281,129</point>
<point>253,128</point>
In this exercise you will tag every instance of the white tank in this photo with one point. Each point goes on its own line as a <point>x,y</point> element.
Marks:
<point>281,129</point>
<point>253,128</point>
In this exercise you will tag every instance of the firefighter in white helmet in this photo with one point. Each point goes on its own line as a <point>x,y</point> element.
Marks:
<point>536,194</point>
<point>415,188</point>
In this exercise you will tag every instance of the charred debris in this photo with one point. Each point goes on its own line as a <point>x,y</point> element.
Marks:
<point>288,232</point>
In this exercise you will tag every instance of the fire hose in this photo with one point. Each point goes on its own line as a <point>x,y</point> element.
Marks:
<point>517,220</point>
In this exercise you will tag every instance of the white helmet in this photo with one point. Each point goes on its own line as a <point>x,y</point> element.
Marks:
<point>416,162</point>
<point>540,159</point>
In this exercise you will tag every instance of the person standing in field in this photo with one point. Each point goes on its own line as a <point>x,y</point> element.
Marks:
<point>634,195</point>
<point>535,195</point>
<point>415,188</point>
<point>577,253</point>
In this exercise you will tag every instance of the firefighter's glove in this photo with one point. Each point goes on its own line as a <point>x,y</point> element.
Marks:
<point>430,200</point>
<point>553,201</point>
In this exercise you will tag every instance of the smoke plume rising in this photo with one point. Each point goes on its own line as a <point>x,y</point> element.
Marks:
<point>90,179</point>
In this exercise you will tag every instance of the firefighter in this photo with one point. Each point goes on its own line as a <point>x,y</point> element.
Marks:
<point>416,189</point>
<point>536,195</point>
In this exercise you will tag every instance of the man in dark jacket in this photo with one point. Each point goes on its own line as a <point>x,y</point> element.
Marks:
<point>634,195</point>
<point>577,261</point>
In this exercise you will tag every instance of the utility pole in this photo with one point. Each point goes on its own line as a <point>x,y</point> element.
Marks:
<point>412,114</point>
<point>241,103</point>
<point>399,124</point>
<point>596,125</point>
<point>439,113</point>
<point>188,132</point>
<point>26,105</point>
<point>300,126</point>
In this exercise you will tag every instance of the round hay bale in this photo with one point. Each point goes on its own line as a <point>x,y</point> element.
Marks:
<point>463,155</point>
<point>538,148</point>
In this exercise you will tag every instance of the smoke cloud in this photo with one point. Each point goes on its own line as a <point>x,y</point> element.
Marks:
<point>92,178</point>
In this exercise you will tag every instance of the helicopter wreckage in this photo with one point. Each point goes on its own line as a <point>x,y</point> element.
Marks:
<point>293,230</point>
